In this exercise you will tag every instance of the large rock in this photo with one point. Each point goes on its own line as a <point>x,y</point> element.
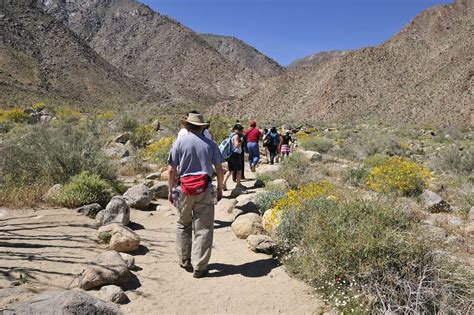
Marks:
<point>247,224</point>
<point>138,197</point>
<point>226,205</point>
<point>90,210</point>
<point>159,190</point>
<point>113,293</point>
<point>434,203</point>
<point>64,303</point>
<point>156,125</point>
<point>247,203</point>
<point>118,237</point>
<point>117,151</point>
<point>268,169</point>
<point>261,244</point>
<point>129,259</point>
<point>53,193</point>
<point>117,211</point>
<point>106,268</point>
<point>123,138</point>
<point>154,176</point>
<point>279,184</point>
<point>313,156</point>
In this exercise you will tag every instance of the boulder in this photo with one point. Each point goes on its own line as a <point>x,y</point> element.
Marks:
<point>106,268</point>
<point>154,176</point>
<point>247,203</point>
<point>118,237</point>
<point>159,190</point>
<point>117,151</point>
<point>117,211</point>
<point>89,210</point>
<point>123,138</point>
<point>279,184</point>
<point>312,156</point>
<point>129,259</point>
<point>52,194</point>
<point>165,175</point>
<point>434,203</point>
<point>64,302</point>
<point>226,205</point>
<point>156,125</point>
<point>261,244</point>
<point>259,183</point>
<point>436,231</point>
<point>271,220</point>
<point>149,183</point>
<point>138,196</point>
<point>247,224</point>
<point>113,293</point>
<point>268,169</point>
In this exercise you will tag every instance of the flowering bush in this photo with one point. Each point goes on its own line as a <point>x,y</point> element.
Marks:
<point>400,176</point>
<point>14,115</point>
<point>158,151</point>
<point>141,135</point>
<point>105,116</point>
<point>293,200</point>
<point>68,114</point>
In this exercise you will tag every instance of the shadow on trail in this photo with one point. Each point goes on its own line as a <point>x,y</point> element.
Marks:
<point>219,224</point>
<point>254,269</point>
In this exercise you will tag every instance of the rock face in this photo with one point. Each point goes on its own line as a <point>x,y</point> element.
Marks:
<point>261,244</point>
<point>118,237</point>
<point>89,210</point>
<point>117,211</point>
<point>159,190</point>
<point>138,197</point>
<point>247,224</point>
<point>65,302</point>
<point>427,63</point>
<point>113,293</point>
<point>107,268</point>
<point>434,203</point>
<point>41,56</point>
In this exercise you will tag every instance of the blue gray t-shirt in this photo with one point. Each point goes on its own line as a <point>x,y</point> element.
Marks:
<point>194,155</point>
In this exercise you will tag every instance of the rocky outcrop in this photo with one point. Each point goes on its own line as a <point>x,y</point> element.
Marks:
<point>118,237</point>
<point>117,211</point>
<point>247,224</point>
<point>106,268</point>
<point>138,197</point>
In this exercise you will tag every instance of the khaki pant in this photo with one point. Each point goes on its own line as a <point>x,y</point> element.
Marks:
<point>200,209</point>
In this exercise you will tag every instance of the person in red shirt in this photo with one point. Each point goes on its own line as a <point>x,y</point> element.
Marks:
<point>253,136</point>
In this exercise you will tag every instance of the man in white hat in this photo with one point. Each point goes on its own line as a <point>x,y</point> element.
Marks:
<point>191,159</point>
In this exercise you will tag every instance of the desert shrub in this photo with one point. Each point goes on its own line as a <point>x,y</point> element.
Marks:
<point>448,133</point>
<point>13,115</point>
<point>68,114</point>
<point>83,189</point>
<point>294,169</point>
<point>315,143</point>
<point>357,176</point>
<point>266,200</point>
<point>220,128</point>
<point>368,257</point>
<point>45,155</point>
<point>451,159</point>
<point>399,176</point>
<point>105,116</point>
<point>141,135</point>
<point>5,127</point>
<point>375,160</point>
<point>128,124</point>
<point>38,106</point>
<point>371,142</point>
<point>158,151</point>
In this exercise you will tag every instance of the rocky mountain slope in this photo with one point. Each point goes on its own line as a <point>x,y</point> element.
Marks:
<point>41,57</point>
<point>315,59</point>
<point>153,48</point>
<point>243,55</point>
<point>423,74</point>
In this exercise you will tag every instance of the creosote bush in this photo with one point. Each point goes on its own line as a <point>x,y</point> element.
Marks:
<point>83,189</point>
<point>315,143</point>
<point>369,257</point>
<point>398,175</point>
<point>40,156</point>
<point>451,159</point>
<point>294,169</point>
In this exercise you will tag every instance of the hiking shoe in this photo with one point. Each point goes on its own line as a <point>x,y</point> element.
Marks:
<point>200,273</point>
<point>186,265</point>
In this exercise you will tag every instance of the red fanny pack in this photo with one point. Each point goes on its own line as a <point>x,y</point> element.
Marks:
<point>194,184</point>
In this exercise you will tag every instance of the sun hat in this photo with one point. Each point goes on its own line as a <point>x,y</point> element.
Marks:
<point>195,119</point>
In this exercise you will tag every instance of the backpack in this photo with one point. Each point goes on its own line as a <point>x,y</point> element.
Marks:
<point>226,146</point>
<point>273,138</point>
<point>267,140</point>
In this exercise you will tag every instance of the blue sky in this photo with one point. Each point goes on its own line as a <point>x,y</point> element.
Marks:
<point>289,29</point>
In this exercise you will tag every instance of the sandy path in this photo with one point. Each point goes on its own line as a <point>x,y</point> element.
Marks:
<point>51,246</point>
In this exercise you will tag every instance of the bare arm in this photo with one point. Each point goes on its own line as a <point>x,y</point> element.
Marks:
<point>220,180</point>
<point>171,181</point>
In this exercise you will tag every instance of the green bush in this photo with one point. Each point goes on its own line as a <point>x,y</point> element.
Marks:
<point>321,145</point>
<point>265,200</point>
<point>40,156</point>
<point>451,159</point>
<point>367,257</point>
<point>141,135</point>
<point>294,169</point>
<point>83,189</point>
<point>220,128</point>
<point>357,176</point>
<point>128,124</point>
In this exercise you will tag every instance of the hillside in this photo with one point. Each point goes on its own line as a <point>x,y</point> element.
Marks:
<point>41,58</point>
<point>315,59</point>
<point>154,48</point>
<point>423,75</point>
<point>243,55</point>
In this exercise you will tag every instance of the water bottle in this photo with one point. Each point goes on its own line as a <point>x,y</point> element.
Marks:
<point>214,194</point>
<point>176,192</point>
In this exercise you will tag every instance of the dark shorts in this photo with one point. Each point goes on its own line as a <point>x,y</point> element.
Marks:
<point>235,162</point>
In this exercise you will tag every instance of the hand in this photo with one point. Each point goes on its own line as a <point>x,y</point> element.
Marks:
<point>219,194</point>
<point>170,197</point>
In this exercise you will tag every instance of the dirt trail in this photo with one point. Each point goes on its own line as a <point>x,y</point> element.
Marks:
<point>51,246</point>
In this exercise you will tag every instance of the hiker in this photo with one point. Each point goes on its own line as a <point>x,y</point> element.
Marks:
<point>235,159</point>
<point>184,131</point>
<point>253,136</point>
<point>244,151</point>
<point>285,144</point>
<point>191,159</point>
<point>264,141</point>
<point>272,145</point>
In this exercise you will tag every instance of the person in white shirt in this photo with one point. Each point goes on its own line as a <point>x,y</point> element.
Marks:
<point>184,131</point>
